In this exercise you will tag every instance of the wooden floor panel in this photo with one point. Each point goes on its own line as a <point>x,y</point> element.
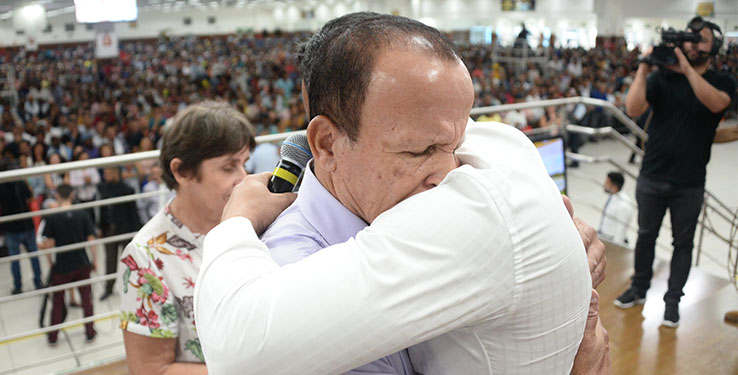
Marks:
<point>115,368</point>
<point>703,344</point>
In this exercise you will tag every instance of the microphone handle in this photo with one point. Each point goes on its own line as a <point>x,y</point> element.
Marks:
<point>285,176</point>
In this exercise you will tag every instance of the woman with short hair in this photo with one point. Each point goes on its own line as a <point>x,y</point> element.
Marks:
<point>202,158</point>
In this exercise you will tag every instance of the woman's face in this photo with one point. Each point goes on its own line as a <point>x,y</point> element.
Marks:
<point>146,144</point>
<point>38,151</point>
<point>217,177</point>
<point>106,150</point>
<point>77,152</point>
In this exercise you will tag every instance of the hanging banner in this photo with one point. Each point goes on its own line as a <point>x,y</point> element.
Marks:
<point>106,44</point>
<point>31,43</point>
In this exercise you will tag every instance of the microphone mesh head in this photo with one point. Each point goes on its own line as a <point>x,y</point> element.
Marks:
<point>296,149</point>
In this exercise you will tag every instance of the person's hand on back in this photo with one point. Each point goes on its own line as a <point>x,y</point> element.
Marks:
<point>251,199</point>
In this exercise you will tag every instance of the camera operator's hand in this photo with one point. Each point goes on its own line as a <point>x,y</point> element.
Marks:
<point>252,200</point>
<point>643,58</point>
<point>683,66</point>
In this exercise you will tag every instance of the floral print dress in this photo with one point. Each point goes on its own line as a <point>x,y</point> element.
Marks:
<point>158,283</point>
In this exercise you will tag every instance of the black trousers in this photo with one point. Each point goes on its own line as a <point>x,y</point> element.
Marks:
<point>684,204</point>
<point>85,291</point>
<point>112,255</point>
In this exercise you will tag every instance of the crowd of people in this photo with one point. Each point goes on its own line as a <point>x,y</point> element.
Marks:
<point>603,73</point>
<point>71,106</point>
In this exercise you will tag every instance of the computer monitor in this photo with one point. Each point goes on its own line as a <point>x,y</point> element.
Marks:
<point>552,151</point>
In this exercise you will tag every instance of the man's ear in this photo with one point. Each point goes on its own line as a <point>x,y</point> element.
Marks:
<point>323,134</point>
<point>180,177</point>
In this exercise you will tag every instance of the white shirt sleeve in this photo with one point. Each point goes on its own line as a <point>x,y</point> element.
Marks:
<point>473,256</point>
<point>397,284</point>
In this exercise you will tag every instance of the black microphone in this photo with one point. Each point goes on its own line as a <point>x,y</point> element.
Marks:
<point>295,153</point>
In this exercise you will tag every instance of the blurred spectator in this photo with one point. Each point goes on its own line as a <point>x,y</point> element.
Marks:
<point>264,158</point>
<point>114,220</point>
<point>618,210</point>
<point>68,228</point>
<point>148,207</point>
<point>143,167</point>
<point>84,181</point>
<point>68,100</point>
<point>14,199</point>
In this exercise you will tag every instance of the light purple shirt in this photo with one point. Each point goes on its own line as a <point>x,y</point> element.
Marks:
<point>314,221</point>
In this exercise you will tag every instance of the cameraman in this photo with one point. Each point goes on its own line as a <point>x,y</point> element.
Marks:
<point>688,101</point>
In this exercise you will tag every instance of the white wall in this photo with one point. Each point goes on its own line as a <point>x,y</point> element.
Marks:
<point>676,8</point>
<point>462,14</point>
<point>558,16</point>
<point>228,20</point>
<point>150,24</point>
<point>677,13</point>
<point>643,17</point>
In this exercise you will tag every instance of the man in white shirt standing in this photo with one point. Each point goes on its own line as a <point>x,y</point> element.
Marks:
<point>618,210</point>
<point>467,268</point>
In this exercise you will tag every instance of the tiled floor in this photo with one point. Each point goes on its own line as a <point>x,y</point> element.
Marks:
<point>585,190</point>
<point>23,315</point>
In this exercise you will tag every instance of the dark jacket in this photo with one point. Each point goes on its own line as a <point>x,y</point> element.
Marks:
<point>118,218</point>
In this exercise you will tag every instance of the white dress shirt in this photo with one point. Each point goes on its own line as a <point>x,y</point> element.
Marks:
<point>616,217</point>
<point>483,274</point>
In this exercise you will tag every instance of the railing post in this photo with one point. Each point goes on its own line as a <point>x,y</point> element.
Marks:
<point>702,230</point>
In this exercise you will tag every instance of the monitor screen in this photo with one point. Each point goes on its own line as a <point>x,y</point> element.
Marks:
<point>92,11</point>
<point>552,152</point>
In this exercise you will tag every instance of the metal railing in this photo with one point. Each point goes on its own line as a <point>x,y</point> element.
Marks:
<point>19,174</point>
<point>74,246</point>
<point>711,204</point>
<point>604,104</point>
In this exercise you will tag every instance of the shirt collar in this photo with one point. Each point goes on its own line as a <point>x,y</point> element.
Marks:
<point>334,222</point>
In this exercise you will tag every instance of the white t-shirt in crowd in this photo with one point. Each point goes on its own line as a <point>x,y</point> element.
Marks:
<point>616,217</point>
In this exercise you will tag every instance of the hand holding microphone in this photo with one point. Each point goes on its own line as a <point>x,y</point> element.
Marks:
<point>251,199</point>
<point>296,154</point>
<point>255,199</point>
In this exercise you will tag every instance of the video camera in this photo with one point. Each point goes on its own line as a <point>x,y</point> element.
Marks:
<point>663,54</point>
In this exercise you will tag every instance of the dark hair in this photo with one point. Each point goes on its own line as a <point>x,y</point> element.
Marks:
<point>203,131</point>
<point>698,23</point>
<point>64,191</point>
<point>43,154</point>
<point>338,61</point>
<point>115,168</point>
<point>106,145</point>
<point>617,179</point>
